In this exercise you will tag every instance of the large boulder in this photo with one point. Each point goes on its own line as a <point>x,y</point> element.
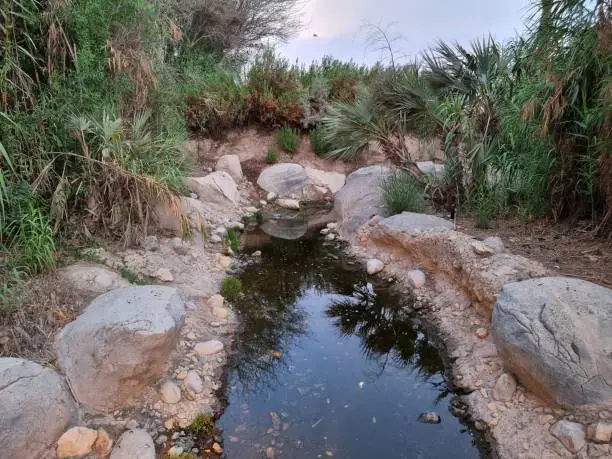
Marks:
<point>411,221</point>
<point>333,181</point>
<point>554,334</point>
<point>36,408</point>
<point>92,278</point>
<point>218,187</point>
<point>231,165</point>
<point>283,179</point>
<point>432,169</point>
<point>120,344</point>
<point>360,198</point>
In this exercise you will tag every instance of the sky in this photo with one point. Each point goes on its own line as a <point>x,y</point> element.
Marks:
<point>341,32</point>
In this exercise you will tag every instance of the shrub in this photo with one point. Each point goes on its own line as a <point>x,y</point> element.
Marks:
<point>272,156</point>
<point>202,425</point>
<point>288,138</point>
<point>231,288</point>
<point>233,240</point>
<point>403,192</point>
<point>319,143</point>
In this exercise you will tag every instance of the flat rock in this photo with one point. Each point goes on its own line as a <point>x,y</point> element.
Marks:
<point>231,165</point>
<point>206,348</point>
<point>121,342</point>
<point>360,199</point>
<point>37,407</point>
<point>283,179</point>
<point>77,441</point>
<point>554,334</point>
<point>134,444</point>
<point>333,181</point>
<point>218,187</point>
<point>411,222</point>
<point>92,278</point>
<point>571,434</point>
<point>374,266</point>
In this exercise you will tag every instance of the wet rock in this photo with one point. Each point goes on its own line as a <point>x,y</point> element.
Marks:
<point>504,388</point>
<point>231,165</point>
<point>482,249</point>
<point>218,187</point>
<point>134,444</point>
<point>416,278</point>
<point>600,432</point>
<point>291,204</point>
<point>170,392</point>
<point>571,434</point>
<point>283,179</point>
<point>92,278</point>
<point>103,444</point>
<point>193,383</point>
<point>211,347</point>
<point>77,441</point>
<point>374,266</point>
<point>554,334</point>
<point>180,246</point>
<point>429,417</point>
<point>121,342</point>
<point>36,407</point>
<point>360,199</point>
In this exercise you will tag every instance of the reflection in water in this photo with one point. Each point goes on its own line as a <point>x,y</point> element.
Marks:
<point>326,361</point>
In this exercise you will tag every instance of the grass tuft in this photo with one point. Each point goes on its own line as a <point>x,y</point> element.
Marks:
<point>231,288</point>
<point>403,192</point>
<point>272,156</point>
<point>288,138</point>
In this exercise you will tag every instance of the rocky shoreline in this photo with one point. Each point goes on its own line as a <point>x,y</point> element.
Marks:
<point>138,373</point>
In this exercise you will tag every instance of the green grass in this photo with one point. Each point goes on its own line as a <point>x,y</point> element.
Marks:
<point>402,192</point>
<point>131,276</point>
<point>233,240</point>
<point>271,156</point>
<point>319,143</point>
<point>202,425</point>
<point>288,138</point>
<point>231,288</point>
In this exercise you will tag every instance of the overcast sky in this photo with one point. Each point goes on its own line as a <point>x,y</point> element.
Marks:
<point>339,25</point>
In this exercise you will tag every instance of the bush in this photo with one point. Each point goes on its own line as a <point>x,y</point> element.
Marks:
<point>319,143</point>
<point>272,156</point>
<point>288,138</point>
<point>403,192</point>
<point>231,288</point>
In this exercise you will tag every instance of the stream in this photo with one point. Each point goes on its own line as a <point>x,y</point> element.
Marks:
<point>327,363</point>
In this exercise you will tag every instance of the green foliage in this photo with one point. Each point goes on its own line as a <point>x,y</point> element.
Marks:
<point>233,240</point>
<point>131,276</point>
<point>319,143</point>
<point>202,425</point>
<point>288,138</point>
<point>271,156</point>
<point>402,192</point>
<point>11,288</point>
<point>231,288</point>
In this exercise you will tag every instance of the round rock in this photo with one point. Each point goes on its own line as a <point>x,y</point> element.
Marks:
<point>134,444</point>
<point>211,347</point>
<point>77,441</point>
<point>170,392</point>
<point>374,266</point>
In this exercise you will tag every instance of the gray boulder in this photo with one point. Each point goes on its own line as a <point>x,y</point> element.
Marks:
<point>36,408</point>
<point>218,188</point>
<point>283,179</point>
<point>432,169</point>
<point>134,444</point>
<point>231,165</point>
<point>120,344</point>
<point>554,335</point>
<point>360,198</point>
<point>92,278</point>
<point>411,221</point>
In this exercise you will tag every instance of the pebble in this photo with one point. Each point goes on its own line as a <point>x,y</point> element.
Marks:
<point>504,388</point>
<point>211,347</point>
<point>429,417</point>
<point>251,210</point>
<point>216,447</point>
<point>482,332</point>
<point>161,440</point>
<point>330,237</point>
<point>270,453</point>
<point>374,266</point>
<point>325,231</point>
<point>256,254</point>
<point>271,196</point>
<point>175,451</point>
<point>170,393</point>
<point>416,277</point>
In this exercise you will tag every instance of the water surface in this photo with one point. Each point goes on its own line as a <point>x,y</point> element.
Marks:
<point>329,364</point>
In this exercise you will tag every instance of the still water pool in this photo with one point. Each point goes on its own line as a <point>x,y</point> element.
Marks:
<point>328,364</point>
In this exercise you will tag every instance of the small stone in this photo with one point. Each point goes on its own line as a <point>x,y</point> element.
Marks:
<point>220,231</point>
<point>217,449</point>
<point>208,348</point>
<point>271,196</point>
<point>330,237</point>
<point>251,210</point>
<point>416,277</point>
<point>374,266</point>
<point>504,388</point>
<point>600,432</point>
<point>77,441</point>
<point>161,440</point>
<point>224,261</point>
<point>169,424</point>
<point>481,332</point>
<point>570,434</point>
<point>482,249</point>
<point>175,451</point>
<point>103,444</point>
<point>193,383</point>
<point>429,417</point>
<point>492,407</point>
<point>164,275</point>
<point>170,393</point>
<point>256,254</point>
<point>325,231</point>
<point>332,226</point>
<point>216,239</point>
<point>263,203</point>
<point>270,453</point>
<point>495,243</point>
<point>291,204</point>
<point>131,424</point>
<point>180,246</point>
